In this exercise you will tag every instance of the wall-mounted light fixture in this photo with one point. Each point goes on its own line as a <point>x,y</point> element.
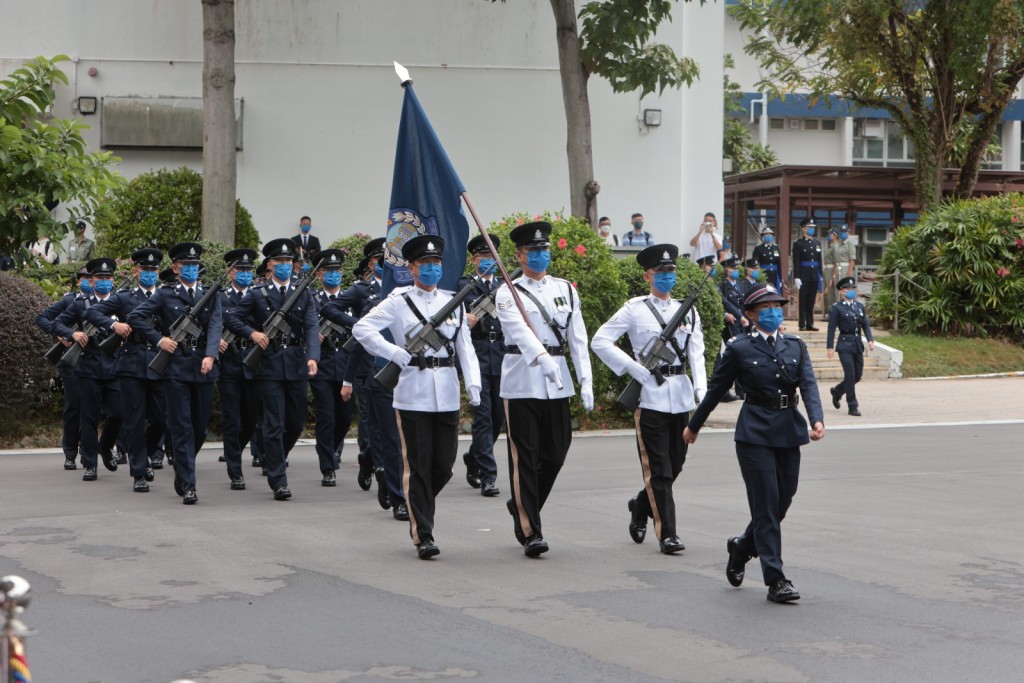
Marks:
<point>86,105</point>
<point>652,117</point>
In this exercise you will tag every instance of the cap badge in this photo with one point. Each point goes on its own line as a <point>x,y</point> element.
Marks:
<point>430,246</point>
<point>284,248</point>
<point>770,289</point>
<point>537,235</point>
<point>151,258</point>
<point>334,259</point>
<point>666,256</point>
<point>191,251</point>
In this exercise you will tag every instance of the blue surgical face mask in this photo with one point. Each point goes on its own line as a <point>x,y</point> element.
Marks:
<point>243,278</point>
<point>754,273</point>
<point>726,244</point>
<point>734,275</point>
<point>430,273</point>
<point>664,282</point>
<point>769,319</point>
<point>188,273</point>
<point>811,231</point>
<point>538,260</point>
<point>332,278</point>
<point>843,235</point>
<point>638,224</point>
<point>378,270</point>
<point>714,272</point>
<point>283,272</point>
<point>486,265</point>
<point>85,287</point>
<point>306,228</point>
<point>148,278</point>
<point>768,239</point>
<point>850,294</point>
<point>104,286</point>
<point>306,267</point>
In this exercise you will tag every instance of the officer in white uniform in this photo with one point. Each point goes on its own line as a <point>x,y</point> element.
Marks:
<point>535,379</point>
<point>664,409</point>
<point>427,394</point>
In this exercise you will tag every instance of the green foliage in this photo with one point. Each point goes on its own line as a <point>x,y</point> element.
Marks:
<point>352,245</point>
<point>961,270</point>
<point>25,399</point>
<point>160,208</point>
<point>42,160</point>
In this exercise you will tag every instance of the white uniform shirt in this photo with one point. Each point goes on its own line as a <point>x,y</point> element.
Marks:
<point>676,395</point>
<point>434,390</point>
<point>521,377</point>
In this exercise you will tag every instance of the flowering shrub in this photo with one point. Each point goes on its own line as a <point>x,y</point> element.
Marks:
<point>966,262</point>
<point>353,246</point>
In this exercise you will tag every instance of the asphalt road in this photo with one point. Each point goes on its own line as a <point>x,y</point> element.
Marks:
<point>904,542</point>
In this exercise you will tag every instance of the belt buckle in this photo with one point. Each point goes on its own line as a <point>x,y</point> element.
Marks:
<point>193,343</point>
<point>783,401</point>
<point>433,362</point>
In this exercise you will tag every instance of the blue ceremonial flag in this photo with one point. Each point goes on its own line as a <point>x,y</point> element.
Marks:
<point>426,199</point>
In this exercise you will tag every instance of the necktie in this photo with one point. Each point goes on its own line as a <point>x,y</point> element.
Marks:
<point>282,290</point>
<point>771,341</point>
<point>191,294</point>
<point>330,297</point>
<point>147,294</point>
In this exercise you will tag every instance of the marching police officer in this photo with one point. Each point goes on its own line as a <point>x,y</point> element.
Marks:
<point>752,270</point>
<point>807,270</point>
<point>188,384</point>
<point>769,432</point>
<point>851,318</point>
<point>287,364</point>
<point>732,299</point>
<point>768,255</point>
<point>81,287</point>
<point>489,344</point>
<point>427,394</point>
<point>98,385</point>
<point>535,379</point>
<point>239,397</point>
<point>664,408</point>
<point>143,408</point>
<point>333,414</point>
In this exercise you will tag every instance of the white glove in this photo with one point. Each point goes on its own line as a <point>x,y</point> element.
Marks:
<point>638,371</point>
<point>552,371</point>
<point>474,396</point>
<point>401,358</point>
<point>587,395</point>
<point>796,281</point>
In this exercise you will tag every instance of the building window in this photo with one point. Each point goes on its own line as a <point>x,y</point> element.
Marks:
<point>828,124</point>
<point>879,142</point>
<point>810,124</point>
<point>776,124</point>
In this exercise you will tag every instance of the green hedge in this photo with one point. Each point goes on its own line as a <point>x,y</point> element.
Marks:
<point>961,268</point>
<point>353,246</point>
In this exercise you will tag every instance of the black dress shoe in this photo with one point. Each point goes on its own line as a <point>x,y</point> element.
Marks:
<point>329,479</point>
<point>489,489</point>
<point>238,484</point>
<point>89,474</point>
<point>472,473</point>
<point>178,488</point>
<point>671,545</point>
<point>535,546</point>
<point>427,549</point>
<point>400,512</point>
<point>364,481</point>
<point>190,497</point>
<point>256,462</point>
<point>140,485</point>
<point>637,523</point>
<point>108,460</point>
<point>812,328</point>
<point>854,411</point>
<point>70,464</point>
<point>734,569</point>
<point>512,511</point>
<point>264,471</point>
<point>120,458</point>
<point>222,459</point>
<point>170,460</point>
<point>282,493</point>
<point>383,499</point>
<point>156,463</point>
<point>782,591</point>
<point>835,397</point>
<point>149,474</point>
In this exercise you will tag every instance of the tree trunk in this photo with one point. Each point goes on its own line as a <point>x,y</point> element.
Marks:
<point>928,176</point>
<point>975,153</point>
<point>577,113</point>
<point>219,171</point>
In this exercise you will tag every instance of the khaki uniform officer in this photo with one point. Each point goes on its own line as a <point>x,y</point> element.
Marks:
<point>426,398</point>
<point>535,380</point>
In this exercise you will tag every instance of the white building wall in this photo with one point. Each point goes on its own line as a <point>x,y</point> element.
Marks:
<point>322,102</point>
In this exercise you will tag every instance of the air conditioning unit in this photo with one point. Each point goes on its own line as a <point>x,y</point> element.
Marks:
<point>872,128</point>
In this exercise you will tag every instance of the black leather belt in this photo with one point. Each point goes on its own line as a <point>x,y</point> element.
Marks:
<point>490,337</point>
<point>553,350</point>
<point>432,362</point>
<point>777,402</point>
<point>670,370</point>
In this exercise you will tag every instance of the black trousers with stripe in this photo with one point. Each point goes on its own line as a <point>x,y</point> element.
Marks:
<point>539,434</point>
<point>659,442</point>
<point>430,443</point>
<point>853,370</point>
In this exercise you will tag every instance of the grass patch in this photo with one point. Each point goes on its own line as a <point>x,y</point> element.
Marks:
<point>929,356</point>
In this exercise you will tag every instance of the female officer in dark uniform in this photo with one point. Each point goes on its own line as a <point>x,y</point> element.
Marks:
<point>851,318</point>
<point>769,431</point>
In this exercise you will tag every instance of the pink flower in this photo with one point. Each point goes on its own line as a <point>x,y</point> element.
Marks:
<point>519,221</point>
<point>1016,219</point>
<point>538,217</point>
<point>1020,243</point>
<point>580,249</point>
<point>574,285</point>
<point>562,243</point>
<point>1003,272</point>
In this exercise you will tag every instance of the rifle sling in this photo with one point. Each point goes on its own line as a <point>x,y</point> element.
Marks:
<point>425,322</point>
<point>548,320</point>
<point>672,340</point>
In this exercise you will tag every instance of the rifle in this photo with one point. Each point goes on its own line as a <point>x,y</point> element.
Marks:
<point>484,305</point>
<point>276,324</point>
<point>659,351</point>
<point>427,335</point>
<point>57,350</point>
<point>74,352</point>
<point>327,327</point>
<point>186,326</point>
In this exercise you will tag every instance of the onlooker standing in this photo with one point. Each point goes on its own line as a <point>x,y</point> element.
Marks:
<point>604,229</point>
<point>637,237</point>
<point>307,244</point>
<point>43,250</point>
<point>81,247</point>
<point>807,273</point>
<point>706,241</point>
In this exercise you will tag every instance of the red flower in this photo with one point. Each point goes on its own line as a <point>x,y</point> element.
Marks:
<point>580,249</point>
<point>574,285</point>
<point>1020,243</point>
<point>1016,219</point>
<point>562,243</point>
<point>1003,272</point>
